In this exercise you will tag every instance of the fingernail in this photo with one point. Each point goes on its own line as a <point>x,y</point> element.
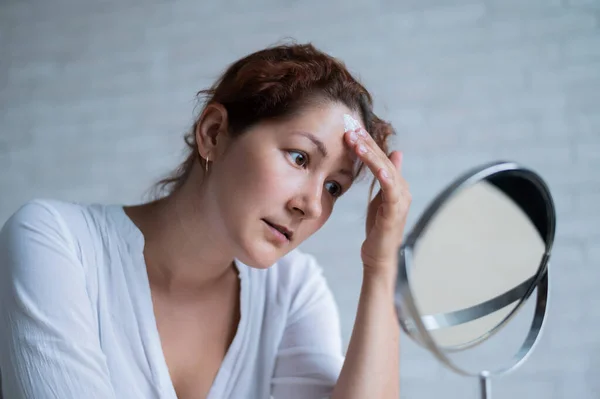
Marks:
<point>362,149</point>
<point>385,175</point>
<point>353,136</point>
<point>361,132</point>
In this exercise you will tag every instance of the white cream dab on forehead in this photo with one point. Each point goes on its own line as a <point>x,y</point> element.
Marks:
<point>350,123</point>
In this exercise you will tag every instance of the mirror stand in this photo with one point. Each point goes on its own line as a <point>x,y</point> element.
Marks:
<point>485,385</point>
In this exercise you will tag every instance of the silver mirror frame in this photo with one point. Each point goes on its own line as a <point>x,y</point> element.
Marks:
<point>418,326</point>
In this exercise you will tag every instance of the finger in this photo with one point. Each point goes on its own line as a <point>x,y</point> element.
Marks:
<point>370,142</point>
<point>397,158</point>
<point>358,137</point>
<point>381,167</point>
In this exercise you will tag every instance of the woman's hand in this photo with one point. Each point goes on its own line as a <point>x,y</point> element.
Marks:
<point>371,367</point>
<point>388,210</point>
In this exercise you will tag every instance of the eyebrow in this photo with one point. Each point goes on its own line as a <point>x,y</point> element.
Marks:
<point>323,150</point>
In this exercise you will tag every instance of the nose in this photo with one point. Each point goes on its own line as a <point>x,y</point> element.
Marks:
<point>308,202</point>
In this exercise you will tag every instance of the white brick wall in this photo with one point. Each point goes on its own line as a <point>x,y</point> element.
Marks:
<point>94,98</point>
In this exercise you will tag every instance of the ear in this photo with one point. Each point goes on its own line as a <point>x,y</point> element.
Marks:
<point>212,130</point>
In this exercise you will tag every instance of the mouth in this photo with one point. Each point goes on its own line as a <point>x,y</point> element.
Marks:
<point>288,234</point>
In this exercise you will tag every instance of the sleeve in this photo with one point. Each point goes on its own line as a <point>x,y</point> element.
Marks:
<point>49,344</point>
<point>309,358</point>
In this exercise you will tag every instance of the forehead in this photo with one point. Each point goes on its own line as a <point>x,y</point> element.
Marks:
<point>326,123</point>
<point>326,120</point>
<point>323,121</point>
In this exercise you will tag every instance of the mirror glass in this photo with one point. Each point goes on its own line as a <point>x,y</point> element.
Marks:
<point>472,264</point>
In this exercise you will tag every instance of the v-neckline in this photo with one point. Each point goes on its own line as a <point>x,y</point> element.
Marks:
<point>155,354</point>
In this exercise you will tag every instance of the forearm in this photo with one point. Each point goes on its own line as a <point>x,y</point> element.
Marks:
<point>371,368</point>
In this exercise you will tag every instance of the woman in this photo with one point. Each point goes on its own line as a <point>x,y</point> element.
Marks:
<point>202,292</point>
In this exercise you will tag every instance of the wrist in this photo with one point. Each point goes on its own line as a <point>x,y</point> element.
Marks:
<point>384,277</point>
<point>380,286</point>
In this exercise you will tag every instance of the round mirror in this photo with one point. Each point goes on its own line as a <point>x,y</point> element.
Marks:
<point>472,261</point>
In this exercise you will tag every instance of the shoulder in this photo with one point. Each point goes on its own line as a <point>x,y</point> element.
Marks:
<point>47,214</point>
<point>40,210</point>
<point>35,216</point>
<point>40,223</point>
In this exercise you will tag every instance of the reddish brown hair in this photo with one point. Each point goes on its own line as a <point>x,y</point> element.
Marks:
<point>276,83</point>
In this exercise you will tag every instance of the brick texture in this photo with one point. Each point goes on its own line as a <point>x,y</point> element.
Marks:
<point>94,97</point>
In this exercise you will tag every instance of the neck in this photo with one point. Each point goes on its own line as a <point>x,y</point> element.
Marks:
<point>184,247</point>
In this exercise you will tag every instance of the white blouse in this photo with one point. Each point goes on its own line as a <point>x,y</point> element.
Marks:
<point>77,321</point>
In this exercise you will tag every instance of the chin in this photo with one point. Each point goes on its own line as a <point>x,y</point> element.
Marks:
<point>262,256</point>
<point>262,262</point>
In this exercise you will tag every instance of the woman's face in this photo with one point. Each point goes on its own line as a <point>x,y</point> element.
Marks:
<point>282,176</point>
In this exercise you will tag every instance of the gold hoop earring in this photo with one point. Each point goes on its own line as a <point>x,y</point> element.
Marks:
<point>206,165</point>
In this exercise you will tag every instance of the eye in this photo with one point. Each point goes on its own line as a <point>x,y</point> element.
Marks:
<point>299,158</point>
<point>334,189</point>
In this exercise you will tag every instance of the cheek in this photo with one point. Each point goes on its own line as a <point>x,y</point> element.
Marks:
<point>274,177</point>
<point>256,179</point>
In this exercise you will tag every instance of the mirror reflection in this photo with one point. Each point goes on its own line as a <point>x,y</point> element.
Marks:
<point>472,265</point>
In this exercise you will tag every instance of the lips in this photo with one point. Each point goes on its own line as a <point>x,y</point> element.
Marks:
<point>282,229</point>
